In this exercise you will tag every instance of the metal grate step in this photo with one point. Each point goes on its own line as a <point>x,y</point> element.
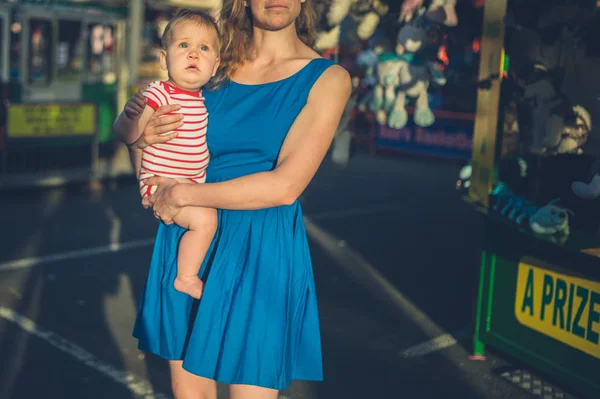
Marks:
<point>535,385</point>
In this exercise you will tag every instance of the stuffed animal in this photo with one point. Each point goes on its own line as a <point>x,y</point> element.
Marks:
<point>575,132</point>
<point>509,204</point>
<point>367,61</point>
<point>384,93</point>
<point>410,8</point>
<point>449,7</point>
<point>551,123</point>
<point>551,219</point>
<point>331,14</point>
<point>413,74</point>
<point>591,190</point>
<point>367,14</point>
<point>557,127</point>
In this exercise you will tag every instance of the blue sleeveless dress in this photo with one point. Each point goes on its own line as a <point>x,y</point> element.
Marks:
<point>257,321</point>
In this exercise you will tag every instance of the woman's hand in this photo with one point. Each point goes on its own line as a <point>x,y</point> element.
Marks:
<point>158,126</point>
<point>164,200</point>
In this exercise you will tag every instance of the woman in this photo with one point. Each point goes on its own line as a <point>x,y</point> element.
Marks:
<point>271,122</point>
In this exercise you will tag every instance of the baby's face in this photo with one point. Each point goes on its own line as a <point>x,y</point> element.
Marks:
<point>192,57</point>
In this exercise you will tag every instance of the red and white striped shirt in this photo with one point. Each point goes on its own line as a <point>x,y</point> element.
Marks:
<point>185,156</point>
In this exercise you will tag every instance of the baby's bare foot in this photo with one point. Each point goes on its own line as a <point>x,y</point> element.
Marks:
<point>192,286</point>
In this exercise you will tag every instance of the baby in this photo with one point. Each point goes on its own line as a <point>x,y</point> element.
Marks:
<point>190,54</point>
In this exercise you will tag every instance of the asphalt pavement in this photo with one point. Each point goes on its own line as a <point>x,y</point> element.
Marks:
<point>395,261</point>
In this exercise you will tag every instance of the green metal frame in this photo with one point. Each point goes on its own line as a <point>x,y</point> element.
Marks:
<point>504,246</point>
<point>495,322</point>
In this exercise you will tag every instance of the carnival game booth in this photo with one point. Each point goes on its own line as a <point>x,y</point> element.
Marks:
<point>59,78</point>
<point>535,176</point>
<point>66,69</point>
<point>420,79</point>
<point>414,74</point>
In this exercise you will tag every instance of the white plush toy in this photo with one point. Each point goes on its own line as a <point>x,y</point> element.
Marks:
<point>551,219</point>
<point>449,7</point>
<point>417,89</point>
<point>367,14</point>
<point>397,80</point>
<point>410,8</point>
<point>332,13</point>
<point>384,94</point>
<point>574,133</point>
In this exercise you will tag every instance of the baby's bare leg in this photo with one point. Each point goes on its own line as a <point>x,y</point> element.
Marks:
<point>201,224</point>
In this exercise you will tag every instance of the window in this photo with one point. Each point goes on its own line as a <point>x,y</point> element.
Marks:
<point>69,61</point>
<point>40,49</point>
<point>15,49</point>
<point>101,62</point>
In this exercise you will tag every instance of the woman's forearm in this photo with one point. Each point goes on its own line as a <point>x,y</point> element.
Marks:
<point>256,191</point>
<point>126,129</point>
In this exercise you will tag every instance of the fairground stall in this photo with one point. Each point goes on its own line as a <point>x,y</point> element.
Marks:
<point>66,68</point>
<point>535,176</point>
<point>414,65</point>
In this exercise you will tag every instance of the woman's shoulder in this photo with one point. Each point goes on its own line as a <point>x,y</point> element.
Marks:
<point>318,75</point>
<point>311,57</point>
<point>334,78</point>
<point>326,69</point>
<point>327,75</point>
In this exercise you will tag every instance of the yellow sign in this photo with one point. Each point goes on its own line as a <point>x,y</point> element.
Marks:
<point>560,306</point>
<point>51,120</point>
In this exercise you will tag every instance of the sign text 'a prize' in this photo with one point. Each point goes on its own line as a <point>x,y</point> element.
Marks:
<point>560,306</point>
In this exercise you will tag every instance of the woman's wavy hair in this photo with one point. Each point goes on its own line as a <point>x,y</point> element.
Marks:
<point>236,31</point>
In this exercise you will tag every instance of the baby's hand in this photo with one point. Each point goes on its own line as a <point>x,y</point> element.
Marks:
<point>135,106</point>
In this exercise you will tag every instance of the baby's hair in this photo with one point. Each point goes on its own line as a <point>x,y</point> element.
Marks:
<point>201,18</point>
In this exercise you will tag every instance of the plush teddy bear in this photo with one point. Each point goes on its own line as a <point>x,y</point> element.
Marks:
<point>575,132</point>
<point>331,13</point>
<point>408,74</point>
<point>551,123</point>
<point>389,68</point>
<point>367,14</point>
<point>449,7</point>
<point>551,219</point>
<point>367,61</point>
<point>557,127</point>
<point>410,8</point>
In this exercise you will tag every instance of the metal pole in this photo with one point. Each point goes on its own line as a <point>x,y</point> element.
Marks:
<point>123,69</point>
<point>483,157</point>
<point>134,42</point>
